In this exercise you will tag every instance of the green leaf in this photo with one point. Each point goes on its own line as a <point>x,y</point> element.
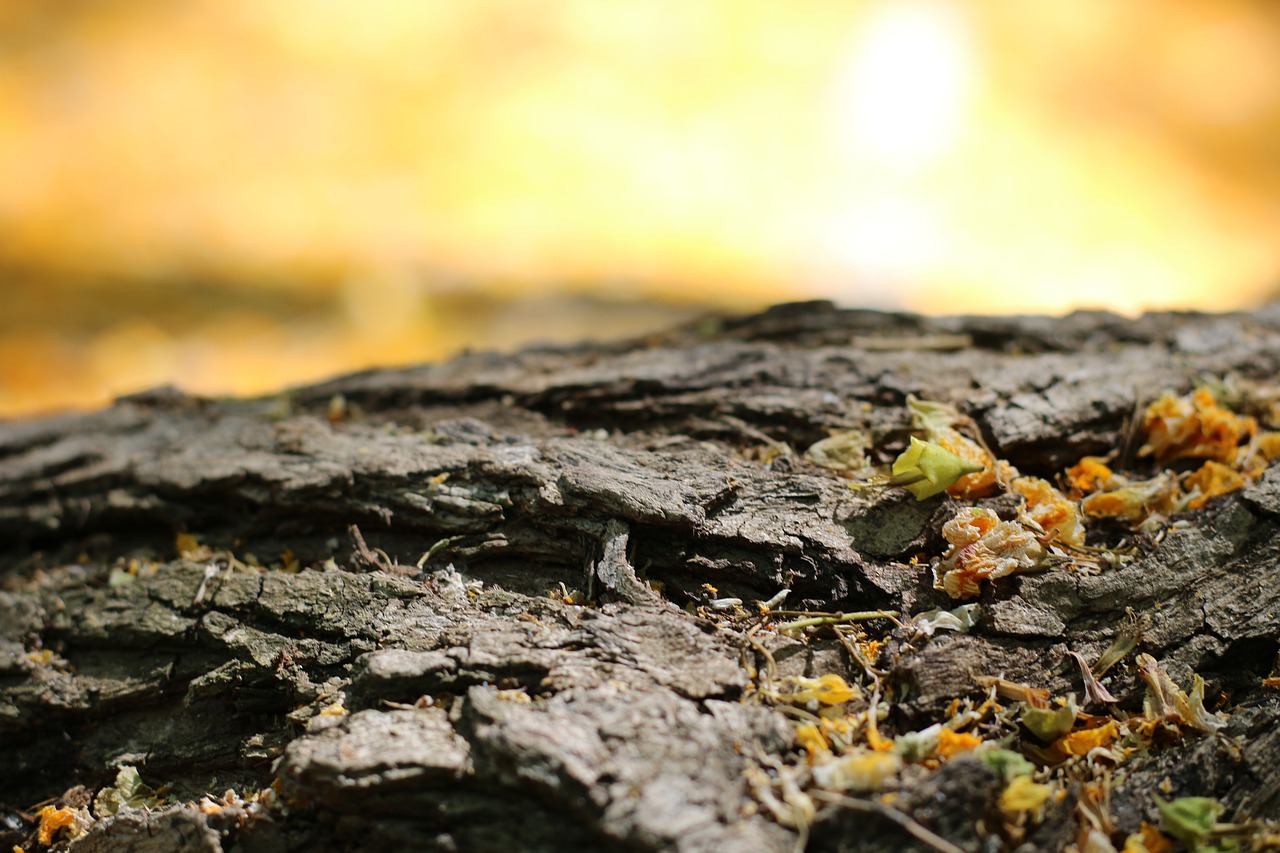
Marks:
<point>1191,820</point>
<point>1006,762</point>
<point>1051,724</point>
<point>129,791</point>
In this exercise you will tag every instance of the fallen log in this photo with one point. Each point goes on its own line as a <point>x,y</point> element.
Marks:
<point>536,601</point>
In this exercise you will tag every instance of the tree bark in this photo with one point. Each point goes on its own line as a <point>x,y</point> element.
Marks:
<point>479,605</point>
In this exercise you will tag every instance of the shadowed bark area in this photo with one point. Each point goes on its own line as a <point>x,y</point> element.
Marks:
<point>479,605</point>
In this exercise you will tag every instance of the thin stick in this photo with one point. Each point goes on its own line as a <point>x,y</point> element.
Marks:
<point>366,554</point>
<point>836,619</point>
<point>889,813</point>
<point>771,665</point>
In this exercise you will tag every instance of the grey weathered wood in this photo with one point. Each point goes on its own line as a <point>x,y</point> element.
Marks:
<point>599,467</point>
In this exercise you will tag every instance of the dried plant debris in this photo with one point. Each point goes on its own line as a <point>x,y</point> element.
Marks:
<point>1047,749</point>
<point>79,816</point>
<point>843,450</point>
<point>1051,526</point>
<point>983,547</point>
<point>127,792</point>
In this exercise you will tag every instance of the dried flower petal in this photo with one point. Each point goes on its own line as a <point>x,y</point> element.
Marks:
<point>53,821</point>
<point>952,743</point>
<point>1135,501</point>
<point>186,544</point>
<point>829,689</point>
<point>1147,839</point>
<point>983,546</point>
<point>843,450</point>
<point>1209,481</point>
<point>1193,427</point>
<point>1094,692</point>
<point>1023,795</point>
<point>1165,699</point>
<point>1036,697</point>
<point>1050,509</point>
<point>1091,474</point>
<point>1079,743</point>
<point>1261,452</point>
<point>858,770</point>
<point>812,741</point>
<point>960,619</point>
<point>1126,640</point>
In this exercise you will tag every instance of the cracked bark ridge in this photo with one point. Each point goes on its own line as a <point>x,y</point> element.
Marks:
<point>425,691</point>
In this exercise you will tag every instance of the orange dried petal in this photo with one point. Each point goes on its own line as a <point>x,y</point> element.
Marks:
<point>829,689</point>
<point>1050,509</point>
<point>1079,743</point>
<point>952,743</point>
<point>858,770</point>
<point>1268,445</point>
<point>1261,452</point>
<point>52,821</point>
<point>983,546</point>
<point>1023,795</point>
<point>185,543</point>
<point>970,486</point>
<point>812,740</point>
<point>1211,480</point>
<point>1147,839</point>
<point>1135,501</point>
<point>1089,475</point>
<point>1193,427</point>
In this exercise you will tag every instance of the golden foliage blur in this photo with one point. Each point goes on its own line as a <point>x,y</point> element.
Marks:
<point>237,194</point>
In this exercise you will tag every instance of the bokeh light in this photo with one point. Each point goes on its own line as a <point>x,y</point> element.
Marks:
<point>234,195</point>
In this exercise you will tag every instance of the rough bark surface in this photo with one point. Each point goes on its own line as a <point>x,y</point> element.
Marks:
<point>424,681</point>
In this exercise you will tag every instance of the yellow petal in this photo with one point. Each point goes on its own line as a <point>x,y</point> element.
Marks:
<point>1079,743</point>
<point>1023,795</point>
<point>952,743</point>
<point>830,689</point>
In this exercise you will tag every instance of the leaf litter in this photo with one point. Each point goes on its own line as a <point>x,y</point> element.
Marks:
<point>1046,748</point>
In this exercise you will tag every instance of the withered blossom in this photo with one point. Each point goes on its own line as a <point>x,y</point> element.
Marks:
<point>938,421</point>
<point>1193,427</point>
<point>983,547</point>
<point>1094,692</point>
<point>1050,509</point>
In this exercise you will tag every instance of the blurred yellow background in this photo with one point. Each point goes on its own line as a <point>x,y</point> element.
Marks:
<point>235,195</point>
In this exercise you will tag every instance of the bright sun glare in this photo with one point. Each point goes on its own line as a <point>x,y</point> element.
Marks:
<point>900,101</point>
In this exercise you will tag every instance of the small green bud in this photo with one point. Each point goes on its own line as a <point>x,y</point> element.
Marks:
<point>926,469</point>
